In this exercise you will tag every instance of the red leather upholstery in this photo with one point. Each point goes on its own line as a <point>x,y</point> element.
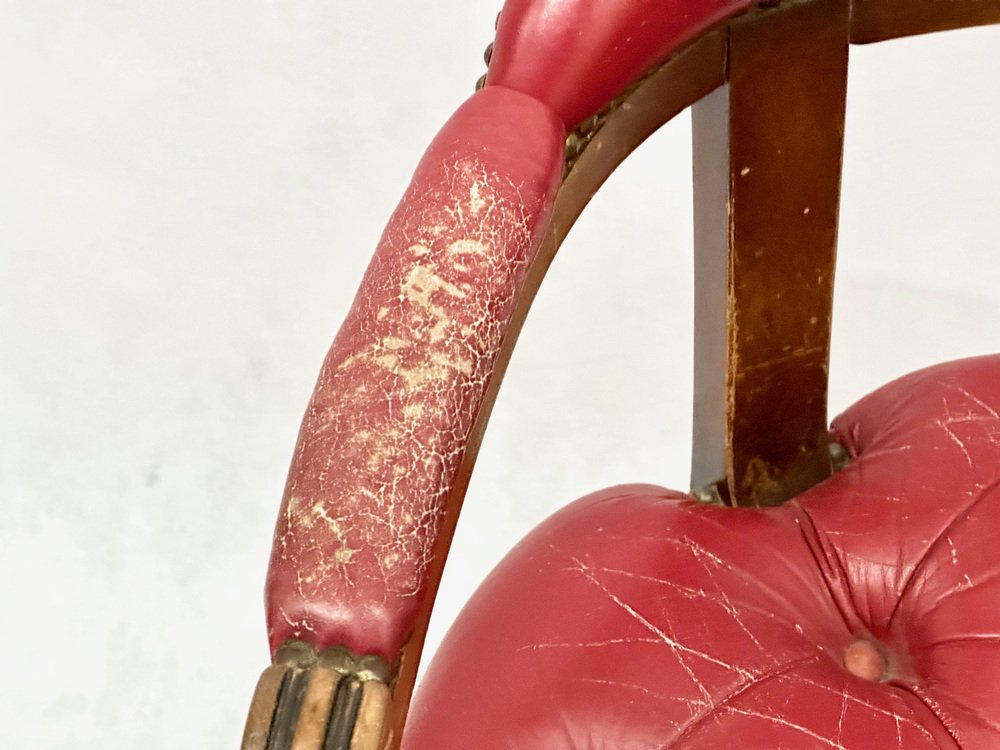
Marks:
<point>577,55</point>
<point>638,618</point>
<point>398,393</point>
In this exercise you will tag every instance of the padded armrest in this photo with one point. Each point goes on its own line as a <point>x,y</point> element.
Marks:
<point>397,399</point>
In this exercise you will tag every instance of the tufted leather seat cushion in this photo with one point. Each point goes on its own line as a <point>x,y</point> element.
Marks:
<point>639,618</point>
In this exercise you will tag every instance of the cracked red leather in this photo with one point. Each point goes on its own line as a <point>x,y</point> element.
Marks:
<point>399,391</point>
<point>638,618</point>
<point>577,55</point>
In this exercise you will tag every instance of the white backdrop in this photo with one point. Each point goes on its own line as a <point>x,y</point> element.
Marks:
<point>189,192</point>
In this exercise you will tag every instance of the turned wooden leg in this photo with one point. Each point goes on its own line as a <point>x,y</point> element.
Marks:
<point>768,151</point>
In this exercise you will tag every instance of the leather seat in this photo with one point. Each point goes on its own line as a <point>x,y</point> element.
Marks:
<point>639,618</point>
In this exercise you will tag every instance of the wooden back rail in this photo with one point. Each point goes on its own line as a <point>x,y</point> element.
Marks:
<point>768,152</point>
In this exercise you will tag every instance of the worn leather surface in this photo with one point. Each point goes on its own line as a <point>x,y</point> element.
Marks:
<point>396,400</point>
<point>638,618</point>
<point>577,55</point>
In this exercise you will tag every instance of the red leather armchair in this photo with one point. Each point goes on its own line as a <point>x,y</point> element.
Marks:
<point>848,601</point>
